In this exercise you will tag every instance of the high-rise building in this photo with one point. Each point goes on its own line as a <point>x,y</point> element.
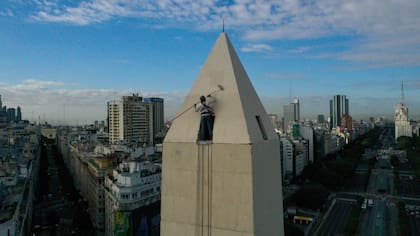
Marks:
<point>115,121</point>
<point>307,132</point>
<point>1,103</point>
<point>294,156</point>
<point>130,120</point>
<point>339,106</point>
<point>18,114</point>
<point>291,114</point>
<point>138,124</point>
<point>157,115</point>
<point>402,123</point>
<point>232,184</point>
<point>11,114</point>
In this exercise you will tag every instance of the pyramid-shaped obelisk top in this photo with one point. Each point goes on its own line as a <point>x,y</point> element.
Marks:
<point>240,116</point>
<point>232,185</point>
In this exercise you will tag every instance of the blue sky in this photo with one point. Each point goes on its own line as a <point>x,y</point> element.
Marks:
<point>63,60</point>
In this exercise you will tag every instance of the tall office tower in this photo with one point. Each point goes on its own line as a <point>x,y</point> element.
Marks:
<point>232,184</point>
<point>157,115</point>
<point>402,123</point>
<point>287,117</point>
<point>339,106</point>
<point>291,114</point>
<point>130,120</point>
<point>11,114</point>
<point>18,114</point>
<point>1,103</point>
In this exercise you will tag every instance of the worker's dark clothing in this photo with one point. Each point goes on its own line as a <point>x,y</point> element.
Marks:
<point>207,120</point>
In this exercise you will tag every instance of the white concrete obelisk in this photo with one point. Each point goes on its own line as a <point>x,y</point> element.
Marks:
<point>231,186</point>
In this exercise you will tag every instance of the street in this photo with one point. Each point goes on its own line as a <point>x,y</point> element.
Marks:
<point>337,219</point>
<point>58,209</point>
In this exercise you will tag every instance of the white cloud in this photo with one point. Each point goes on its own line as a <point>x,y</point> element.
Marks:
<point>33,84</point>
<point>382,29</point>
<point>95,11</point>
<point>269,19</point>
<point>257,48</point>
<point>284,76</point>
<point>58,104</point>
<point>7,12</point>
<point>42,83</point>
<point>299,50</point>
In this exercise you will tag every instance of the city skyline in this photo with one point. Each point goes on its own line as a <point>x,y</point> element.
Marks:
<point>63,61</point>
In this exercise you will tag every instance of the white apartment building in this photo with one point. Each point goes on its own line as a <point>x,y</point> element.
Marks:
<point>294,156</point>
<point>286,157</point>
<point>90,164</point>
<point>130,120</point>
<point>133,184</point>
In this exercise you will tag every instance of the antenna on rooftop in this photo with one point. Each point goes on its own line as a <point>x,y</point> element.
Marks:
<point>402,93</point>
<point>223,25</point>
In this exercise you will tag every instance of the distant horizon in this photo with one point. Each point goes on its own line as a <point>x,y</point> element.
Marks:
<point>176,106</point>
<point>68,58</point>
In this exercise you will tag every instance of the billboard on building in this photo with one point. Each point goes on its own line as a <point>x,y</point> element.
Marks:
<point>296,130</point>
<point>122,223</point>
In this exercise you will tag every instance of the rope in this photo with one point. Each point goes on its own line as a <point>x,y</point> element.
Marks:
<point>208,190</point>
<point>201,190</point>
<point>210,198</point>
<point>198,193</point>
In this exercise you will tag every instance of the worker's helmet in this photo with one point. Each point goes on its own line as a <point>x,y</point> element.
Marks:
<point>202,99</point>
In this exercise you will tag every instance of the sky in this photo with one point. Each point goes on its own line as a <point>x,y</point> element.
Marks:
<point>61,61</point>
